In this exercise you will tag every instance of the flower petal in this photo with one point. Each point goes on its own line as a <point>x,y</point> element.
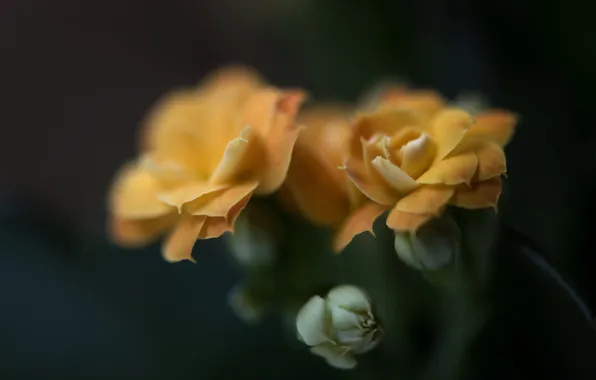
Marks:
<point>272,114</point>
<point>417,155</point>
<point>237,77</point>
<point>377,191</point>
<point>134,194</point>
<point>139,232</point>
<point>311,322</point>
<point>491,161</point>
<point>425,102</point>
<point>189,129</point>
<point>315,190</point>
<point>336,356</point>
<point>231,163</point>
<point>189,192</point>
<point>480,195</point>
<point>219,204</point>
<point>179,244</point>
<point>425,200</point>
<point>349,297</point>
<point>342,319</point>
<point>403,221</point>
<point>386,121</point>
<point>360,221</point>
<point>399,180</point>
<point>448,129</point>
<point>451,171</point>
<point>216,226</point>
<point>495,125</point>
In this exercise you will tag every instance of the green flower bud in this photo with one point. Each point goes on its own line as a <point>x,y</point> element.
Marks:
<point>432,247</point>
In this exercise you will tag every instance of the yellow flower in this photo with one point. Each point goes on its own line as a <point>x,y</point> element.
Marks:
<point>316,188</point>
<point>205,151</point>
<point>415,155</point>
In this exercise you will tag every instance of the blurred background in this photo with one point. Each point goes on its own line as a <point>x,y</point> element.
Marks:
<point>79,76</point>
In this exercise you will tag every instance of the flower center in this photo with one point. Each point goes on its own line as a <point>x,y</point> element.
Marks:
<point>414,152</point>
<point>368,323</point>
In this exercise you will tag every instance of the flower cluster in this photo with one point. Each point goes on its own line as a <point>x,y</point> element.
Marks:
<point>207,150</point>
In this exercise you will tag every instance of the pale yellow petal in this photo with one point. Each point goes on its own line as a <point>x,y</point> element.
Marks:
<point>179,244</point>
<point>425,200</point>
<point>134,194</point>
<point>448,129</point>
<point>360,221</point>
<point>417,156</point>
<point>377,191</point>
<point>399,180</point>
<point>451,171</point>
<point>231,164</point>
<point>495,125</point>
<point>371,149</point>
<point>480,195</point>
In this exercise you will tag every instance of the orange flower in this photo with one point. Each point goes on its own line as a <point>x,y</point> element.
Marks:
<point>316,188</point>
<point>205,151</point>
<point>414,155</point>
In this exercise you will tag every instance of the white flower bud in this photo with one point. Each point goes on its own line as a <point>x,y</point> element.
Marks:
<point>339,326</point>
<point>251,244</point>
<point>244,306</point>
<point>432,247</point>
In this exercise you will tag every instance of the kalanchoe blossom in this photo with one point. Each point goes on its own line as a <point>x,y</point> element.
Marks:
<point>314,185</point>
<point>205,151</point>
<point>339,326</point>
<point>414,155</point>
<point>434,246</point>
<point>407,152</point>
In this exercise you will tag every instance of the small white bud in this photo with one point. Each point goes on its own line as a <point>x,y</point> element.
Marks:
<point>339,326</point>
<point>251,244</point>
<point>432,247</point>
<point>244,306</point>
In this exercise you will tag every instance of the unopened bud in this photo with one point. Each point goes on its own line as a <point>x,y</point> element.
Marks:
<point>432,247</point>
<point>244,305</point>
<point>339,326</point>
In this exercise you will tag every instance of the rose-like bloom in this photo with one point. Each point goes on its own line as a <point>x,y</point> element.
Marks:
<point>315,186</point>
<point>414,155</point>
<point>338,326</point>
<point>205,151</point>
